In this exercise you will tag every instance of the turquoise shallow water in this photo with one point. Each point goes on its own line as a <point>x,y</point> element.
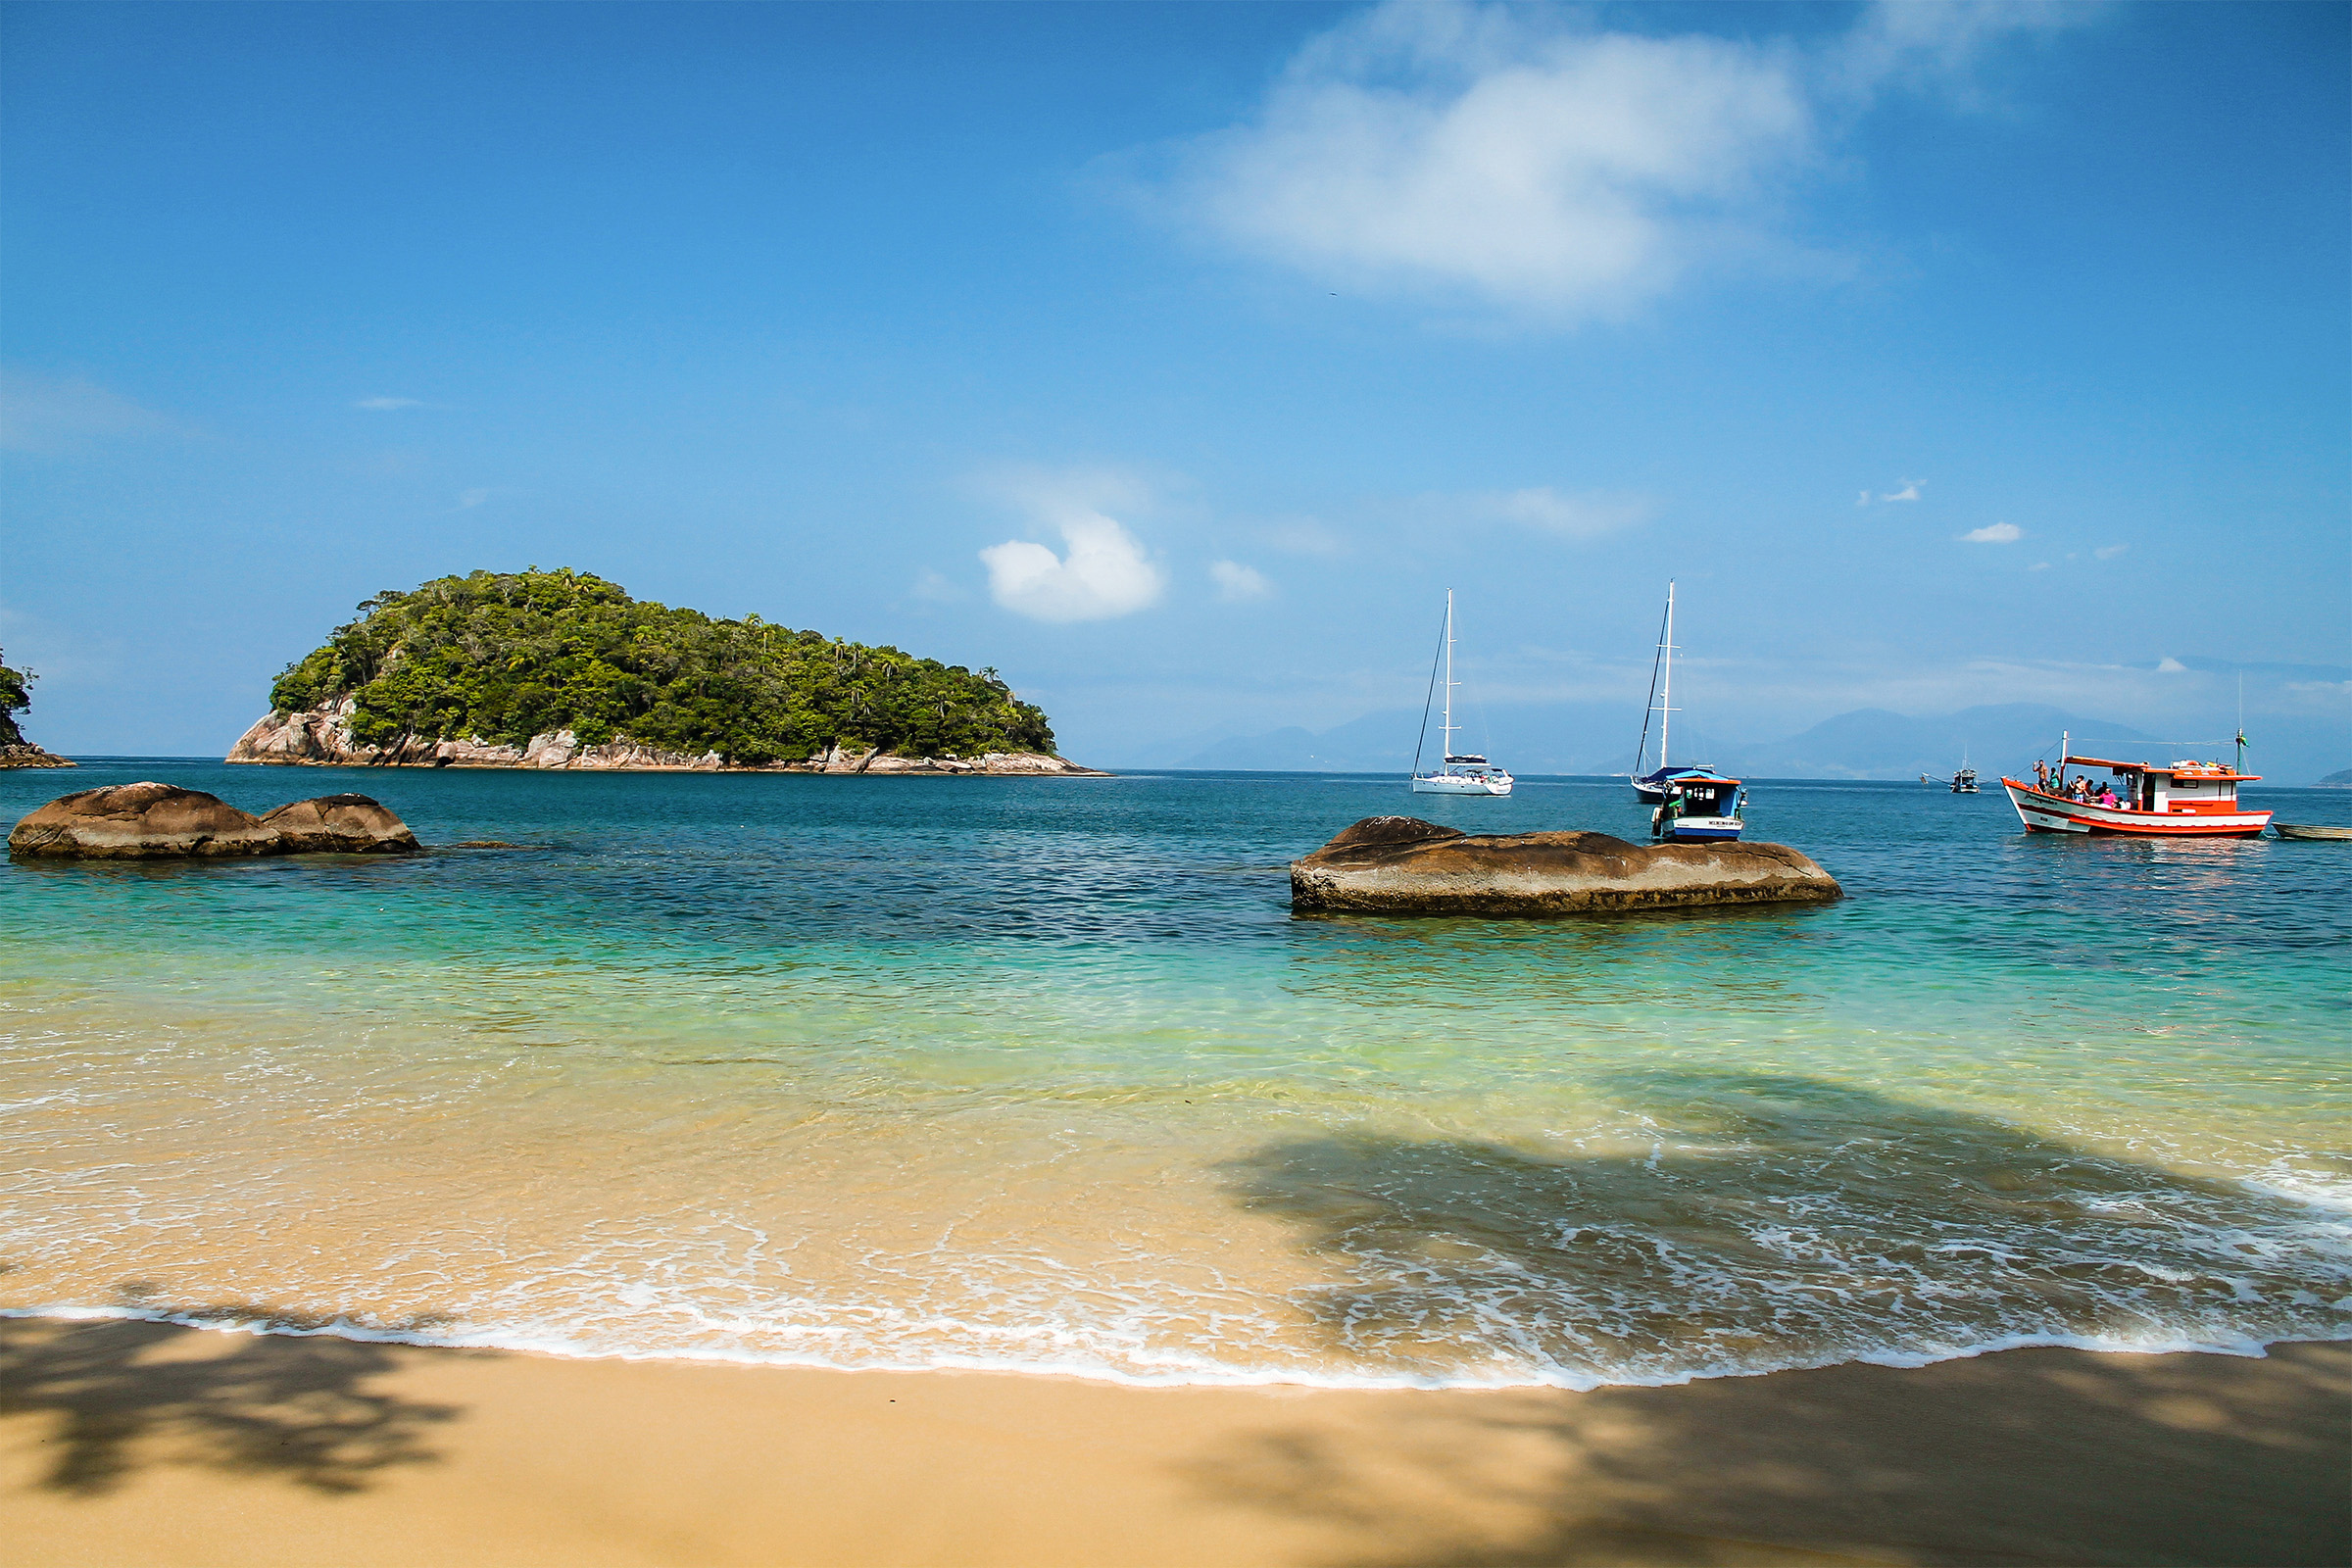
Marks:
<point>1040,1073</point>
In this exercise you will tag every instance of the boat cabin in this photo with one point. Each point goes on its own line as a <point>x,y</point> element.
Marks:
<point>1698,809</point>
<point>2195,788</point>
<point>1705,797</point>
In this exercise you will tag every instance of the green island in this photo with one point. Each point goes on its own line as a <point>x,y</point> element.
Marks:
<point>15,698</point>
<point>503,656</point>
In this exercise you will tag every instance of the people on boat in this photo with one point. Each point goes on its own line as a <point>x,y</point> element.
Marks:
<point>2041,775</point>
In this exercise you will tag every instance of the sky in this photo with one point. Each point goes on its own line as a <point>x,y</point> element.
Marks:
<point>1177,360</point>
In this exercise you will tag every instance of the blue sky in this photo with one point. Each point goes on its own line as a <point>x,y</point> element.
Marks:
<point>1175,360</point>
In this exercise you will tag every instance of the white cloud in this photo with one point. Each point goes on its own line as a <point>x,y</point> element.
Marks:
<point>1104,573</point>
<point>2039,566</point>
<point>1236,583</point>
<point>1528,160</point>
<point>388,405</point>
<point>1584,516</point>
<point>2169,665</point>
<point>2109,551</point>
<point>1996,533</point>
<point>1918,44</point>
<point>1909,492</point>
<point>1307,536</point>
<point>933,588</point>
<point>50,415</point>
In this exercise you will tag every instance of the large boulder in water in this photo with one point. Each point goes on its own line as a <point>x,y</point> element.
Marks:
<point>1402,865</point>
<point>346,824</point>
<point>141,821</point>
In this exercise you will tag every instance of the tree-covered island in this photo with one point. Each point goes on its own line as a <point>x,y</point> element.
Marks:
<point>508,658</point>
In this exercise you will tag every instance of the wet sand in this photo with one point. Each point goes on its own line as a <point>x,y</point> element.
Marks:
<point>126,1442</point>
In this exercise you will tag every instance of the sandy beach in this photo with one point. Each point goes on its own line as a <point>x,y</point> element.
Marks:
<point>133,1443</point>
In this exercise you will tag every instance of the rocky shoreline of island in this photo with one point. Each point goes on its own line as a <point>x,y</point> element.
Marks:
<point>323,737</point>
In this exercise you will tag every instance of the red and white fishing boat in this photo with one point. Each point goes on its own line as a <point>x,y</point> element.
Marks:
<point>2182,800</point>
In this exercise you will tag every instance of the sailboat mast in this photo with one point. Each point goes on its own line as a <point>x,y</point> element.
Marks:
<point>1448,674</point>
<point>1666,692</point>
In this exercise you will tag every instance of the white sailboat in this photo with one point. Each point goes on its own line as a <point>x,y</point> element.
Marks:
<point>1460,774</point>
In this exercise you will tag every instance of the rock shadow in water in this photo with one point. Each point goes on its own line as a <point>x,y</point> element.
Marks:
<point>1779,1221</point>
<point>1797,1222</point>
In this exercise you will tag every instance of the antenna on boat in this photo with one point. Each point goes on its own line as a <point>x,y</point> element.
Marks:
<point>2242,723</point>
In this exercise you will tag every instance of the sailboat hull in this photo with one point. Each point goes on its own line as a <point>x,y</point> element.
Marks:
<point>1452,784</point>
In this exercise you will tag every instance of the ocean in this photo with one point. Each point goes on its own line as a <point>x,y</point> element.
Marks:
<point>1042,1075</point>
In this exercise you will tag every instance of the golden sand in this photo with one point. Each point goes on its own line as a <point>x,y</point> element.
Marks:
<point>125,1443</point>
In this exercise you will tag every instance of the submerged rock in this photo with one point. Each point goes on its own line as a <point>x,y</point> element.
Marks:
<point>1402,865</point>
<point>346,824</point>
<point>141,821</point>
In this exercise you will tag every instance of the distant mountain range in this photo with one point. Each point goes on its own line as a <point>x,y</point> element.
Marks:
<point>1869,743</point>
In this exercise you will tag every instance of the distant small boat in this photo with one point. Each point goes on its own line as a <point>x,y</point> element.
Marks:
<point>2316,835</point>
<point>1460,774</point>
<point>1651,788</point>
<point>1963,782</point>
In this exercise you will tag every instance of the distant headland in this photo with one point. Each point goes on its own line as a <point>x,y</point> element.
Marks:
<point>561,669</point>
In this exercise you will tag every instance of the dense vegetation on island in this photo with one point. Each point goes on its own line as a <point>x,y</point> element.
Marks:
<point>505,656</point>
<point>16,696</point>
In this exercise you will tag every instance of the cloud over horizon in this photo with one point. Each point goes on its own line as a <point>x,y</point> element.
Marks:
<point>1106,571</point>
<point>1585,514</point>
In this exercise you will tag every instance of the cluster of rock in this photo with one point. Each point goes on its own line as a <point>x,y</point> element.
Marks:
<point>1402,865</point>
<point>323,738</point>
<point>24,754</point>
<point>156,821</point>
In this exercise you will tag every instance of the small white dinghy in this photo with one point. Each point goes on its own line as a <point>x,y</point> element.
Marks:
<point>2292,830</point>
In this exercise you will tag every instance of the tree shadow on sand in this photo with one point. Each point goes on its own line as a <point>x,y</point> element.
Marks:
<point>123,1392</point>
<point>1783,1221</point>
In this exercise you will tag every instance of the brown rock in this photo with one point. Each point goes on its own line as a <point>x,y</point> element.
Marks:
<point>1402,865</point>
<point>343,824</point>
<point>24,754</point>
<point>140,821</point>
<point>321,738</point>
